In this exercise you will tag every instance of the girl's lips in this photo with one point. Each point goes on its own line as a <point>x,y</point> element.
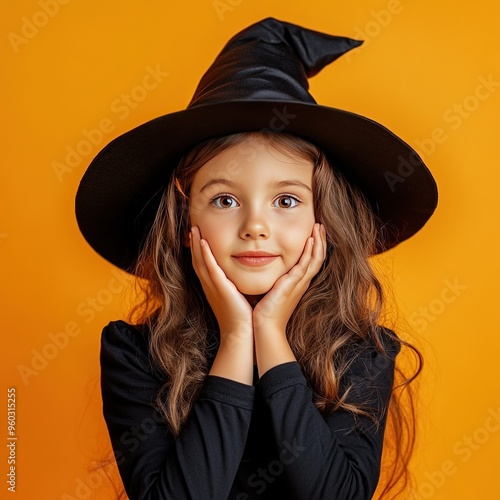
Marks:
<point>255,260</point>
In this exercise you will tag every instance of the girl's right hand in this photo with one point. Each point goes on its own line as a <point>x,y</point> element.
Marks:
<point>232,310</point>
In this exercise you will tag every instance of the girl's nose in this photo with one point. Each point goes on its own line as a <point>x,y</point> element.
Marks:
<point>255,227</point>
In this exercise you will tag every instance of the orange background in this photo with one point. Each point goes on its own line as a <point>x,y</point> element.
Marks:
<point>428,70</point>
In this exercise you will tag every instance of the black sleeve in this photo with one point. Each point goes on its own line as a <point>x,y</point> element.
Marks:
<point>330,457</point>
<point>202,462</point>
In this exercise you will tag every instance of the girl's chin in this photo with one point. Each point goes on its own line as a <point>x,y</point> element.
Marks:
<point>255,285</point>
<point>253,291</point>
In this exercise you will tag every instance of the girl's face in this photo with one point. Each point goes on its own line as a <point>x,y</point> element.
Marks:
<point>254,205</point>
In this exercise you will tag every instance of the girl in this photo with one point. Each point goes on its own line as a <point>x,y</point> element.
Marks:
<point>256,366</point>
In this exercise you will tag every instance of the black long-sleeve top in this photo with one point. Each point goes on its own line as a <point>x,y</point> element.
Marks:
<point>242,442</point>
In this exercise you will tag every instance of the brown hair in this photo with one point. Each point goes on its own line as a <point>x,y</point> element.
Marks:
<point>342,305</point>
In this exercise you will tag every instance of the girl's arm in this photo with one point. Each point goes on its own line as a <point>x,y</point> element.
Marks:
<point>202,462</point>
<point>335,456</point>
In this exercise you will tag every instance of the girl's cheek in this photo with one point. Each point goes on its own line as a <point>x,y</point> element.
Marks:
<point>210,230</point>
<point>298,226</point>
<point>199,214</point>
<point>195,211</point>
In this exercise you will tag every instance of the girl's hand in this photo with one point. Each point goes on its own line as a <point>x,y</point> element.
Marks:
<point>272,313</point>
<point>232,310</point>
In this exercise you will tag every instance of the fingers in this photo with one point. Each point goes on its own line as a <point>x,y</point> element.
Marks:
<point>203,258</point>
<point>298,278</point>
<point>196,255</point>
<point>213,279</point>
<point>300,269</point>
<point>319,250</point>
<point>199,250</point>
<point>313,255</point>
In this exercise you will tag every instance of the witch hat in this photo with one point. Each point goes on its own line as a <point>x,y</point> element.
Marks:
<point>259,82</point>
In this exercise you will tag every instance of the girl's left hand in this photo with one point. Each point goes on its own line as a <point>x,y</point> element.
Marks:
<point>275,308</point>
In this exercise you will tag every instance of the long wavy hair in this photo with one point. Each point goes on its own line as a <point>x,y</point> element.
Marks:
<point>343,304</point>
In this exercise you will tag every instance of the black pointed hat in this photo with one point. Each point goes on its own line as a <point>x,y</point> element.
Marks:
<point>259,82</point>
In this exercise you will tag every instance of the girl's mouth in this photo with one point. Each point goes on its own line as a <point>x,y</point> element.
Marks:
<point>254,258</point>
<point>249,260</point>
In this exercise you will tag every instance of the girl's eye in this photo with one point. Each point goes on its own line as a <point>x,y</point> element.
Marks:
<point>286,201</point>
<point>224,201</point>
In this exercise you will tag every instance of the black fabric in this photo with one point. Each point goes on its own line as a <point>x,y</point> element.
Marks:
<point>241,442</point>
<point>269,60</point>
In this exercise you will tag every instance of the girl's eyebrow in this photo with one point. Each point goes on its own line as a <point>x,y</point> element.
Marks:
<point>217,181</point>
<point>291,182</point>
<point>280,184</point>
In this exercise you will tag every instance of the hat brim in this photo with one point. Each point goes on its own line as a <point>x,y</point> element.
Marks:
<point>121,189</point>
